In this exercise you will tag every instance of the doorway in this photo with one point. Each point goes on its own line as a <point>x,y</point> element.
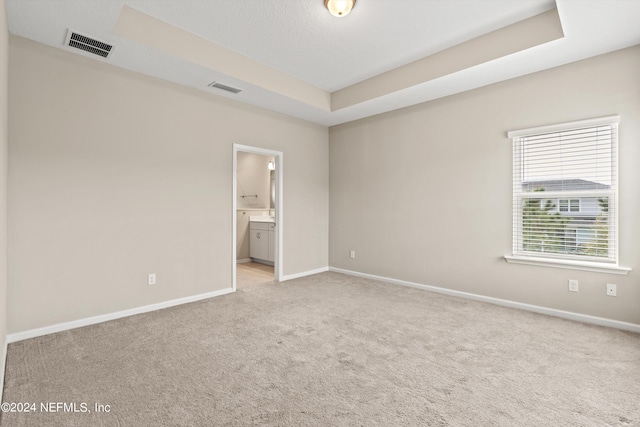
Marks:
<point>257,215</point>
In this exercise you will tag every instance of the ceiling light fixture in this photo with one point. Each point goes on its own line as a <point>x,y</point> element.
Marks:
<point>339,8</point>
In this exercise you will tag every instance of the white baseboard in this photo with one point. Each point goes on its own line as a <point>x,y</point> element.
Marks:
<point>303,274</point>
<point>32,333</point>
<point>263,262</point>
<point>242,261</point>
<point>585,318</point>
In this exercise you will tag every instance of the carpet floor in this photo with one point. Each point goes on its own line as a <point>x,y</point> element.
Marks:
<point>329,350</point>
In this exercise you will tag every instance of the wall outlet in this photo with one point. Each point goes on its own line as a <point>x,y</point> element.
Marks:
<point>352,254</point>
<point>151,279</point>
<point>612,290</point>
<point>573,286</point>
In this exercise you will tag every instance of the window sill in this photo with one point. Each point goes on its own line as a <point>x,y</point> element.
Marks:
<point>597,267</point>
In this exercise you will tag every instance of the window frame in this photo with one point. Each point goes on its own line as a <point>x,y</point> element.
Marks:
<point>571,261</point>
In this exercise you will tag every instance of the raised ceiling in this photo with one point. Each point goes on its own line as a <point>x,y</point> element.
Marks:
<point>293,57</point>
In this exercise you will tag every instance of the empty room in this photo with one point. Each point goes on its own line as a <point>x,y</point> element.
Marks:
<point>319,212</point>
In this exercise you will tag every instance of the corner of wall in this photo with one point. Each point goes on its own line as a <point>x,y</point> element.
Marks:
<point>4,110</point>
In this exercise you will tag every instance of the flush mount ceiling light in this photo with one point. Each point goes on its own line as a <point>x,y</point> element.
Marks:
<point>339,8</point>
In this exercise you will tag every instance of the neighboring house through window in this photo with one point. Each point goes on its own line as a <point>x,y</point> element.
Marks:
<point>569,205</point>
<point>565,191</point>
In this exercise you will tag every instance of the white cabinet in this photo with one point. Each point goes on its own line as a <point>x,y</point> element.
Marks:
<point>259,244</point>
<point>242,236</point>
<point>262,241</point>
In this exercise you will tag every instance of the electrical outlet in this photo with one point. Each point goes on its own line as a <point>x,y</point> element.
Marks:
<point>151,279</point>
<point>612,290</point>
<point>352,254</point>
<point>573,286</point>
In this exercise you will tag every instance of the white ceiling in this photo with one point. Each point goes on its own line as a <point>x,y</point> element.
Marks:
<point>301,41</point>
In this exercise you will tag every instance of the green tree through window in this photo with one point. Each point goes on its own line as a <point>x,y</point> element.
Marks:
<point>599,245</point>
<point>543,227</point>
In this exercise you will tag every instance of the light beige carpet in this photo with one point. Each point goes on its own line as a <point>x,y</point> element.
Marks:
<point>331,350</point>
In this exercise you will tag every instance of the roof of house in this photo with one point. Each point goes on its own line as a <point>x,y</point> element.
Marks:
<point>563,185</point>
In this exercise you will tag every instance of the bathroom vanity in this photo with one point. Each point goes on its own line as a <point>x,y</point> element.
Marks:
<point>262,239</point>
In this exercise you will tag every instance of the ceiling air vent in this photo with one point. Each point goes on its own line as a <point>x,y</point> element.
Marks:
<point>88,44</point>
<point>224,87</point>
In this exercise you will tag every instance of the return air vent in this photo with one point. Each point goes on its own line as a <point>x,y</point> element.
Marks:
<point>224,87</point>
<point>87,44</point>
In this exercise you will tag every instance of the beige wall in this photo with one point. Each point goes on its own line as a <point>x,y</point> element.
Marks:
<point>4,66</point>
<point>423,194</point>
<point>253,179</point>
<point>114,175</point>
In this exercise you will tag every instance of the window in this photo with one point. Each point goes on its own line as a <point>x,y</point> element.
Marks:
<point>565,192</point>
<point>569,205</point>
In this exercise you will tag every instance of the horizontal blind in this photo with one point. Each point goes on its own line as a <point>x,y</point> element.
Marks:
<point>565,192</point>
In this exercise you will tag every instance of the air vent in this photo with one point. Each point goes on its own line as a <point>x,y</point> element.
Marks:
<point>88,44</point>
<point>224,87</point>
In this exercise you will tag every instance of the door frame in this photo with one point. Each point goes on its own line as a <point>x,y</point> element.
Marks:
<point>279,159</point>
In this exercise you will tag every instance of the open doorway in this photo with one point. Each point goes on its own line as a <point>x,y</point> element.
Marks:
<point>257,216</point>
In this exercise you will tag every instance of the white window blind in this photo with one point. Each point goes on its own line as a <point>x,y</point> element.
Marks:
<point>565,191</point>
